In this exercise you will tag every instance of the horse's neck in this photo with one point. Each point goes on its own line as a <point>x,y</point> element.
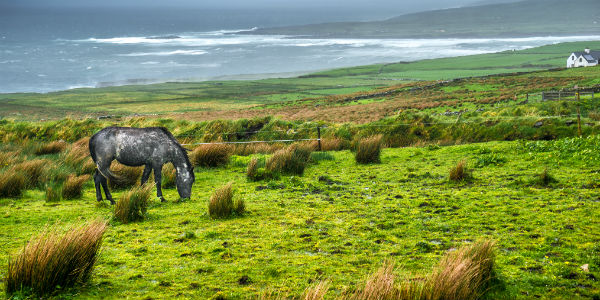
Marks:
<point>178,160</point>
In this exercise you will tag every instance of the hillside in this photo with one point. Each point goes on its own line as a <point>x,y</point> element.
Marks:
<point>526,18</point>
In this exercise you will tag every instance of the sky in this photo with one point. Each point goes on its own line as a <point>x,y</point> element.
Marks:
<point>403,5</point>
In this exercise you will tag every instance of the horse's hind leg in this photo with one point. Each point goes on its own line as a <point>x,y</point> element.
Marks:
<point>103,169</point>
<point>146,174</point>
<point>157,180</point>
<point>97,184</point>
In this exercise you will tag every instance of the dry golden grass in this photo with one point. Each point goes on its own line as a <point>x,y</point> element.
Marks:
<point>369,150</point>
<point>73,186</point>
<point>126,177</point>
<point>133,204</point>
<point>168,176</point>
<point>8,158</point>
<point>221,204</point>
<point>316,292</point>
<point>211,155</point>
<point>460,172</point>
<point>51,260</point>
<point>252,169</point>
<point>254,148</point>
<point>290,160</point>
<point>77,152</point>
<point>462,274</point>
<point>12,183</point>
<point>50,147</point>
<point>34,171</point>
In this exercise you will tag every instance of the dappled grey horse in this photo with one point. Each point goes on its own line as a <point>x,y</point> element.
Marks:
<point>150,147</point>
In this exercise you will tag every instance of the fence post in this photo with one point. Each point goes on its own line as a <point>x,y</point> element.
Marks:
<point>319,136</point>
<point>578,116</point>
<point>527,97</point>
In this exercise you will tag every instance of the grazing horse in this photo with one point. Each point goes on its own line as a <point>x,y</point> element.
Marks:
<point>150,147</point>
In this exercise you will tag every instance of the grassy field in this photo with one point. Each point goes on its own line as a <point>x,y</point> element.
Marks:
<point>340,221</point>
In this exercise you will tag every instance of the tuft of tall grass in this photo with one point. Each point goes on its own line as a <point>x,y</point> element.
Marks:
<point>544,179</point>
<point>73,186</point>
<point>12,183</point>
<point>368,150</point>
<point>51,261</point>
<point>133,205</point>
<point>256,148</point>
<point>290,160</point>
<point>255,171</point>
<point>34,171</point>
<point>221,204</point>
<point>126,177</point>
<point>211,155</point>
<point>7,159</point>
<point>463,274</point>
<point>77,152</point>
<point>317,291</point>
<point>54,192</point>
<point>460,172</point>
<point>168,176</point>
<point>50,147</point>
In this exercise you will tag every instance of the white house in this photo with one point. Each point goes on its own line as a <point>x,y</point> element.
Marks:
<point>587,58</point>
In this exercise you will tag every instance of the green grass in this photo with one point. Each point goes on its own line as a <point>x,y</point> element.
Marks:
<point>298,229</point>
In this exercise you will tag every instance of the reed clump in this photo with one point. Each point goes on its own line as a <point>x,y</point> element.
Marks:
<point>460,172</point>
<point>221,204</point>
<point>368,151</point>
<point>133,205</point>
<point>51,260</point>
<point>12,183</point>
<point>211,155</point>
<point>290,160</point>
<point>125,176</point>
<point>34,171</point>
<point>53,147</point>
<point>73,186</point>
<point>54,192</point>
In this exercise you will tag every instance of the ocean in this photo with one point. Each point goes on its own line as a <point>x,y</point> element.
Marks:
<point>53,50</point>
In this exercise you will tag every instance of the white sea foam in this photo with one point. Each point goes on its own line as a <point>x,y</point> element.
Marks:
<point>167,53</point>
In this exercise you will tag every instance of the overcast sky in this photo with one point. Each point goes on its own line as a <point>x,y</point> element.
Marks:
<point>404,5</point>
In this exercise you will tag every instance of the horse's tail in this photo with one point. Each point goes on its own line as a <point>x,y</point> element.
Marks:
<point>107,173</point>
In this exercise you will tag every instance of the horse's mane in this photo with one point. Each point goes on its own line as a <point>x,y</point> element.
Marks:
<point>172,138</point>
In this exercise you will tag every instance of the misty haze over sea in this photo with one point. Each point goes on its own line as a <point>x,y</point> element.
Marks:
<point>42,51</point>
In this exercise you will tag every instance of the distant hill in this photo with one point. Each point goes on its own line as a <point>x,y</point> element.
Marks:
<point>516,19</point>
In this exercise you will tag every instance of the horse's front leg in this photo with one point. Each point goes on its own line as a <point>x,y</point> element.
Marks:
<point>146,174</point>
<point>157,180</point>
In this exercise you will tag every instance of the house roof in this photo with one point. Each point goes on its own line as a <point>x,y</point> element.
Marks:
<point>590,57</point>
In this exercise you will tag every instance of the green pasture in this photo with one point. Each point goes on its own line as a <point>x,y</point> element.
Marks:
<point>340,221</point>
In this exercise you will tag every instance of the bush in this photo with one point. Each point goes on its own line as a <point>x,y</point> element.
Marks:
<point>290,160</point>
<point>50,148</point>
<point>34,171</point>
<point>54,192</point>
<point>12,183</point>
<point>51,261</point>
<point>369,150</point>
<point>73,185</point>
<point>211,155</point>
<point>221,204</point>
<point>460,172</point>
<point>126,177</point>
<point>133,205</point>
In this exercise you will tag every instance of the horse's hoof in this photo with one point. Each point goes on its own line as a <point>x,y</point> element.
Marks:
<point>162,199</point>
<point>112,202</point>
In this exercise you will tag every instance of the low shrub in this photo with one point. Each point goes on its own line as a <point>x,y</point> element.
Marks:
<point>50,147</point>
<point>221,204</point>
<point>133,205</point>
<point>12,183</point>
<point>51,261</point>
<point>126,177</point>
<point>211,155</point>
<point>34,171</point>
<point>73,186</point>
<point>368,150</point>
<point>290,160</point>
<point>460,172</point>
<point>54,192</point>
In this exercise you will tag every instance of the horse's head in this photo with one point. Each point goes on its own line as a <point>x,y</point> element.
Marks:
<point>184,181</point>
